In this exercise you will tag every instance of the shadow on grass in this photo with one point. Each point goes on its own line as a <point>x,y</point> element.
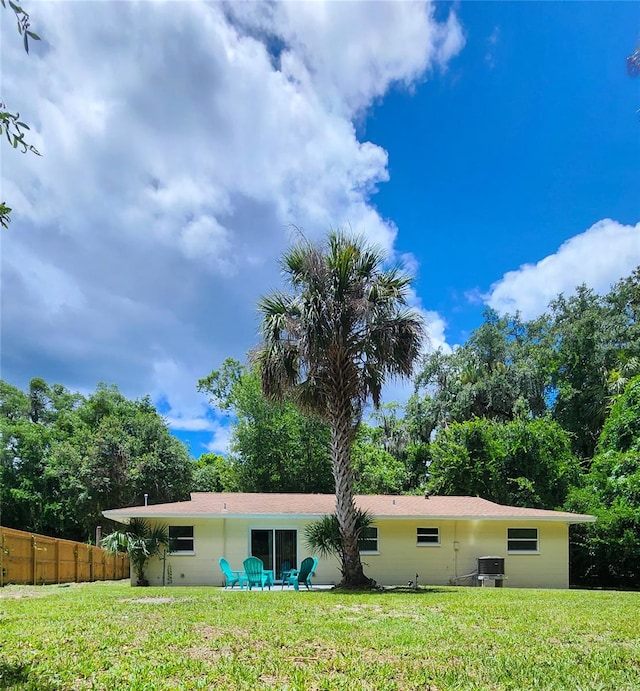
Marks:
<point>19,676</point>
<point>393,590</point>
<point>13,674</point>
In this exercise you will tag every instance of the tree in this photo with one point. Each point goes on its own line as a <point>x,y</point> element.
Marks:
<point>494,375</point>
<point>129,452</point>
<point>330,345</point>
<point>39,399</point>
<point>607,552</point>
<point>274,446</point>
<point>520,463</point>
<point>22,473</point>
<point>10,122</point>
<point>65,459</point>
<point>214,473</point>
<point>376,470</point>
<point>569,363</point>
<point>624,302</point>
<point>14,404</point>
<point>590,338</point>
<point>403,441</point>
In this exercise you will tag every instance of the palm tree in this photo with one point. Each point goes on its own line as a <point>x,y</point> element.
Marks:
<point>141,541</point>
<point>330,345</point>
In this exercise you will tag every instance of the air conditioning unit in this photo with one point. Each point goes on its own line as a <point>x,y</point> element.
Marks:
<point>491,572</point>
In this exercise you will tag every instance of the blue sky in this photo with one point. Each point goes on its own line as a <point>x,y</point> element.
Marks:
<point>529,138</point>
<point>492,147</point>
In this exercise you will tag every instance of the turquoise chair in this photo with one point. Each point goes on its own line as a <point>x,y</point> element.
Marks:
<point>231,577</point>
<point>255,573</point>
<point>313,570</point>
<point>307,569</point>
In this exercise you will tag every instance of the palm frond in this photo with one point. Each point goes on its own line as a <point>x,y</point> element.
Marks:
<point>323,536</point>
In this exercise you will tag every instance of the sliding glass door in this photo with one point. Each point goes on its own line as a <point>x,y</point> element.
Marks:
<point>275,547</point>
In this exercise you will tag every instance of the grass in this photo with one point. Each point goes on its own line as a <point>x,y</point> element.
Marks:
<point>111,636</point>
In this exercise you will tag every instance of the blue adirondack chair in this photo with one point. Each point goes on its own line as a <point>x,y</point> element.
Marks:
<point>231,577</point>
<point>255,573</point>
<point>307,569</point>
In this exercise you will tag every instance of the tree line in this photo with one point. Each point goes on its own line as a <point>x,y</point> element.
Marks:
<point>542,413</point>
<point>66,457</point>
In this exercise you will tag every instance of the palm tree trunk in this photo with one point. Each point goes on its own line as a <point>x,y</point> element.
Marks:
<point>342,435</point>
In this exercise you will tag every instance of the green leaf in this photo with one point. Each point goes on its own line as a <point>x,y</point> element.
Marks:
<point>33,35</point>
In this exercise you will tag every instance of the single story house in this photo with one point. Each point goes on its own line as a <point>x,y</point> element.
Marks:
<point>438,538</point>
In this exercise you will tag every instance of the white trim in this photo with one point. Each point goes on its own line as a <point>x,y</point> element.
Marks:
<point>524,539</point>
<point>428,543</point>
<point>178,540</point>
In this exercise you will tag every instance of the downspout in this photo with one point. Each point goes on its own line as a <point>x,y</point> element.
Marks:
<point>224,537</point>
<point>456,546</point>
<point>224,531</point>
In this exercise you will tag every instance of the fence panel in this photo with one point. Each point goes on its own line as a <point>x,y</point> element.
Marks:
<point>28,558</point>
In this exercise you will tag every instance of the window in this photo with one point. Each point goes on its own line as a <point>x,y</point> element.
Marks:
<point>428,536</point>
<point>181,538</point>
<point>368,541</point>
<point>522,539</point>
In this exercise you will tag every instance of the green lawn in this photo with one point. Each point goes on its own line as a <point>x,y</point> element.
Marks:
<point>111,636</point>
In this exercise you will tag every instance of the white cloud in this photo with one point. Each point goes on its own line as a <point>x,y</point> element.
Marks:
<point>435,328</point>
<point>354,51</point>
<point>220,440</point>
<point>180,141</point>
<point>599,257</point>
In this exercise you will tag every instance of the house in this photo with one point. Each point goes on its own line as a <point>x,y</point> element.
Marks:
<point>438,538</point>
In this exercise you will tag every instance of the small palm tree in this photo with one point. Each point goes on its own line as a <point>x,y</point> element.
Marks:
<point>141,542</point>
<point>323,536</point>
<point>330,345</point>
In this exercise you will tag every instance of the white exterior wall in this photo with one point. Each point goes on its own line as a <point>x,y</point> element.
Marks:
<point>461,543</point>
<point>397,561</point>
<point>229,538</point>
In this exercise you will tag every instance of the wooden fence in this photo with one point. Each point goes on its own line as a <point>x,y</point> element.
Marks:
<point>27,558</point>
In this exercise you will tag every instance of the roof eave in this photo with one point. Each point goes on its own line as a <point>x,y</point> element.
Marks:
<point>121,517</point>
